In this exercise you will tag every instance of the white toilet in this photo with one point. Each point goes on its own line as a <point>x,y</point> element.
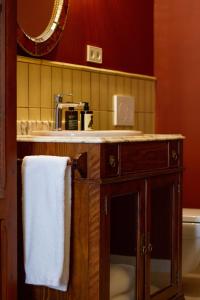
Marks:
<point>191,241</point>
<point>191,254</point>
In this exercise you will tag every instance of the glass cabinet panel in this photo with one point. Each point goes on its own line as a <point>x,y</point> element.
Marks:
<point>161,239</point>
<point>162,244</point>
<point>123,245</point>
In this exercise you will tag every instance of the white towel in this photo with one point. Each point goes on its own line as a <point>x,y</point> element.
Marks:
<point>126,296</point>
<point>122,279</point>
<point>46,202</point>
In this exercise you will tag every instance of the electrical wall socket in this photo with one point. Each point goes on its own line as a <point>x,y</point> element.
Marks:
<point>94,54</point>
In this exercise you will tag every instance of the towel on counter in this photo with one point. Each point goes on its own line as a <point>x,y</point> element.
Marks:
<point>122,279</point>
<point>46,203</point>
<point>126,296</point>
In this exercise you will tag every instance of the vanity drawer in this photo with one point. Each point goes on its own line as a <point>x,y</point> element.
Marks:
<point>127,158</point>
<point>144,156</point>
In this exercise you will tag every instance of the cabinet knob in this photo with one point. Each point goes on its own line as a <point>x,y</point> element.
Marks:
<point>174,155</point>
<point>112,161</point>
<point>143,250</point>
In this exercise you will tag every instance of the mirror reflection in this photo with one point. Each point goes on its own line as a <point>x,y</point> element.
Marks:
<point>34,16</point>
<point>40,24</point>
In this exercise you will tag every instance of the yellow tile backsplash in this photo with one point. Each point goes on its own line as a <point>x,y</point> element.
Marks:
<point>34,86</point>
<point>39,80</point>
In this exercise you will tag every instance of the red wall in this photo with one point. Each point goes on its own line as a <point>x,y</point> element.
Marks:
<point>124,29</point>
<point>177,67</point>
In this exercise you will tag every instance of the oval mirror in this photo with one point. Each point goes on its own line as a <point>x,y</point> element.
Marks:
<point>40,24</point>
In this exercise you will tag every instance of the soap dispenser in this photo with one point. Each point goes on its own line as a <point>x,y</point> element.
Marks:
<point>86,118</point>
<point>71,119</point>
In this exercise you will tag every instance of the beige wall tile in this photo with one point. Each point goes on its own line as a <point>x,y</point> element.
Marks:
<point>22,84</point>
<point>110,121</point>
<point>76,86</point>
<point>127,86</point>
<point>103,92</point>
<point>34,114</point>
<point>46,114</point>
<point>96,116</point>
<point>135,126</point>
<point>153,88</point>
<point>119,85</point>
<point>34,85</point>
<point>67,83</point>
<point>111,91</point>
<point>85,87</point>
<point>141,92</point>
<point>149,95</point>
<point>46,84</point>
<point>149,123</point>
<point>103,121</point>
<point>135,92</point>
<point>95,91</point>
<point>22,113</point>
<point>38,83</point>
<point>141,122</point>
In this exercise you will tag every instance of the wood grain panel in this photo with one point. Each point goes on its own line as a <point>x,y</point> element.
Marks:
<point>90,239</point>
<point>3,259</point>
<point>2,104</point>
<point>94,240</point>
<point>143,156</point>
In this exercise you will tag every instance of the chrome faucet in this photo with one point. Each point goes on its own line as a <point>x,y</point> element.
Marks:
<point>59,106</point>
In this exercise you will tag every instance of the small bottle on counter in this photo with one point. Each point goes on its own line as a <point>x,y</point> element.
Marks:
<point>71,119</point>
<point>86,118</point>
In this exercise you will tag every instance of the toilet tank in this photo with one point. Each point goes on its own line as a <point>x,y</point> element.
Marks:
<point>191,240</point>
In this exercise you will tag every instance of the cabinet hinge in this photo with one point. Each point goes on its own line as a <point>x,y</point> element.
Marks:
<point>106,205</point>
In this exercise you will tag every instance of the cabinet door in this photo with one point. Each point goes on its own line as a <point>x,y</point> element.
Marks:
<point>125,238</point>
<point>163,234</point>
<point>8,203</point>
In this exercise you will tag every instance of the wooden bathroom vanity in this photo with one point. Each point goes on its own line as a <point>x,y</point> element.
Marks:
<point>126,209</point>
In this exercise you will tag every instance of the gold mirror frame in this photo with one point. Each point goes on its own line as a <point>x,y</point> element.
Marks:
<point>48,39</point>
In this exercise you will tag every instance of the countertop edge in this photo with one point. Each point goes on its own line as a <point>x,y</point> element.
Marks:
<point>97,140</point>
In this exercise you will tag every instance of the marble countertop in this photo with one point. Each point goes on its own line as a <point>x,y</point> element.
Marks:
<point>97,140</point>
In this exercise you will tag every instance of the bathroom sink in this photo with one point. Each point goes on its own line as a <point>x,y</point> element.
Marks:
<point>92,133</point>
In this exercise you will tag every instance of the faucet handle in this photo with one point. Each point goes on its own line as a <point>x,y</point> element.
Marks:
<point>59,97</point>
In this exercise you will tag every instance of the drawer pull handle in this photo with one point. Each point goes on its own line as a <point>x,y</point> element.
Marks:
<point>174,155</point>
<point>112,161</point>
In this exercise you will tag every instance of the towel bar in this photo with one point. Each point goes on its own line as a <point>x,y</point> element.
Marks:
<point>69,163</point>
<point>79,163</point>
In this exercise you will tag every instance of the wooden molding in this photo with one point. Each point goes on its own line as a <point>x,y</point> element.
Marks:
<point>2,104</point>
